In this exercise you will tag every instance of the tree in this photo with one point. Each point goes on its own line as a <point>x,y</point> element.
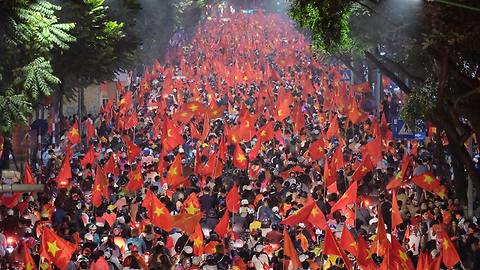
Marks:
<point>101,49</point>
<point>430,50</point>
<point>30,32</point>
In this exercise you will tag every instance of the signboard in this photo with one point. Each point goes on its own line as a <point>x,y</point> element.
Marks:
<point>403,131</point>
<point>347,76</point>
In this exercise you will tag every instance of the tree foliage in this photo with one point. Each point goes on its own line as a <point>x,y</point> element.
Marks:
<point>30,31</point>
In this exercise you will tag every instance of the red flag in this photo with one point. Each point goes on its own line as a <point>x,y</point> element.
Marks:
<point>316,217</point>
<point>55,249</point>
<point>333,129</point>
<point>73,134</point>
<point>65,173</point>
<point>426,181</point>
<point>282,108</point>
<point>396,216</point>
<point>364,257</point>
<point>317,149</point>
<point>175,176</point>
<point>239,158</point>
<point>197,238</point>
<point>126,102</point>
<point>233,199</point>
<point>222,226</point>
<point>27,174</point>
<point>135,181</point>
<point>381,244</point>
<point>363,169</point>
<point>329,176</point>
<point>28,260</point>
<point>349,197</point>
<point>187,222</point>
<point>398,179</point>
<point>194,132</point>
<point>348,243</point>
<point>289,250</point>
<point>435,265</point>
<point>133,150</point>
<point>331,247</point>
<point>89,129</point>
<point>100,187</point>
<point>89,157</point>
<point>298,119</point>
<point>450,254</point>
<point>158,213</point>
<point>401,258</point>
<point>171,136</point>
<point>110,166</point>
<point>131,121</point>
<point>191,205</point>
<point>374,150</point>
<point>266,132</point>
<point>206,128</point>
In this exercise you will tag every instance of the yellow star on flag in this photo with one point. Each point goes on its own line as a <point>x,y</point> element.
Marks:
<point>193,107</point>
<point>445,244</point>
<point>241,158</point>
<point>28,266</point>
<point>314,212</point>
<point>197,241</point>
<point>191,209</point>
<point>173,171</point>
<point>364,169</point>
<point>169,132</point>
<point>98,188</point>
<point>158,211</point>
<point>53,248</point>
<point>428,179</point>
<point>74,132</point>
<point>403,255</point>
<point>263,133</point>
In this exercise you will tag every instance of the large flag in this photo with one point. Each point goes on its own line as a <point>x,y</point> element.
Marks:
<point>56,249</point>
<point>222,226</point>
<point>233,199</point>
<point>191,205</point>
<point>27,174</point>
<point>157,212</point>
<point>396,216</point>
<point>289,250</point>
<point>73,134</point>
<point>348,243</point>
<point>239,158</point>
<point>135,179</point>
<point>197,238</point>
<point>89,157</point>
<point>309,213</point>
<point>171,136</point>
<point>331,247</point>
<point>28,260</point>
<point>349,197</point>
<point>100,187</point>
<point>175,176</point>
<point>449,252</point>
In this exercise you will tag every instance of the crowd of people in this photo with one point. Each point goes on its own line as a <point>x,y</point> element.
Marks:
<point>241,151</point>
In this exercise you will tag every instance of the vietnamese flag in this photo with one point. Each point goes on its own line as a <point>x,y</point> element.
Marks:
<point>89,157</point>
<point>450,254</point>
<point>222,226</point>
<point>363,169</point>
<point>398,179</point>
<point>333,129</point>
<point>175,173</point>
<point>329,176</point>
<point>289,250</point>
<point>233,199</point>
<point>426,181</point>
<point>316,217</point>
<point>73,134</point>
<point>126,102</point>
<point>354,114</point>
<point>374,150</point>
<point>158,213</point>
<point>187,222</point>
<point>364,258</point>
<point>100,187</point>
<point>337,159</point>
<point>380,244</point>
<point>298,119</point>
<point>396,216</point>
<point>348,243</point>
<point>282,108</point>
<point>131,121</point>
<point>400,257</point>
<point>89,129</point>
<point>266,133</point>
<point>56,249</point>
<point>308,213</point>
<point>239,158</point>
<point>110,167</point>
<point>171,136</point>
<point>65,173</point>
<point>206,128</point>
<point>194,132</point>
<point>317,149</point>
<point>197,238</point>
<point>133,150</point>
<point>349,197</point>
<point>191,205</point>
<point>27,174</point>
<point>435,265</point>
<point>135,181</point>
<point>28,260</point>
<point>331,247</point>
